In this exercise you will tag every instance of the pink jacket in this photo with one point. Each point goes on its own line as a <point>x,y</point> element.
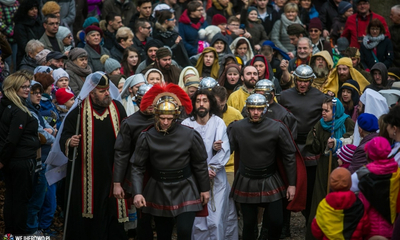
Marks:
<point>379,226</point>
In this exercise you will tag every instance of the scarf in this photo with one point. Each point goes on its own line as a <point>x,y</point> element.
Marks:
<point>298,61</point>
<point>81,72</point>
<point>286,22</point>
<point>340,118</point>
<point>8,2</point>
<point>97,48</point>
<point>371,42</point>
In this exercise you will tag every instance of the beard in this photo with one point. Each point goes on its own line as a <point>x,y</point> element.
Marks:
<point>202,114</point>
<point>344,78</point>
<point>248,84</point>
<point>166,67</point>
<point>102,103</point>
<point>320,72</point>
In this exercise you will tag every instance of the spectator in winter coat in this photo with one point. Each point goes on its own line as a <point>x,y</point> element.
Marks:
<point>345,154</point>
<point>28,25</point>
<point>190,23</point>
<point>279,32</point>
<point>124,39</point>
<point>328,12</point>
<point>93,48</point>
<point>356,24</point>
<point>345,10</point>
<point>376,47</point>
<point>367,127</point>
<point>33,47</point>
<point>380,202</point>
<point>331,220</point>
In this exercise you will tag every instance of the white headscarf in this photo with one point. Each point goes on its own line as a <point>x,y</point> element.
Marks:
<point>56,160</point>
<point>374,103</point>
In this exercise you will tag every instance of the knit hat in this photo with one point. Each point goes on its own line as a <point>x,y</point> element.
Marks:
<point>218,19</point>
<point>208,33</point>
<point>378,148</point>
<point>63,95</point>
<point>252,9</point>
<point>346,152</point>
<point>59,73</point>
<point>42,69</point>
<point>368,122</point>
<point>76,53</point>
<point>93,28</point>
<point>153,43</point>
<point>110,64</point>
<point>342,43</point>
<point>89,21</point>
<point>315,23</point>
<point>343,7</point>
<point>394,72</point>
<point>62,33</point>
<point>340,180</point>
<point>41,56</point>
<point>163,52</point>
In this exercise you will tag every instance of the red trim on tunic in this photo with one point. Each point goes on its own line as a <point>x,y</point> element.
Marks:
<point>174,207</point>
<point>258,194</point>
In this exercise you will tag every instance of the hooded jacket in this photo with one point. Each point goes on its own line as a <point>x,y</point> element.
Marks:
<point>189,32</point>
<point>249,54</point>
<point>386,84</point>
<point>319,83</point>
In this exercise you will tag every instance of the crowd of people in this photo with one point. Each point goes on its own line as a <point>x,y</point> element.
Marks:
<point>217,118</point>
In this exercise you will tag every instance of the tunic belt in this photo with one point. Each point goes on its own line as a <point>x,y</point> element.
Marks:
<point>174,175</point>
<point>258,173</point>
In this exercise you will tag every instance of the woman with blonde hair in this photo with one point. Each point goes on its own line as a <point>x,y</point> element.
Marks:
<point>19,143</point>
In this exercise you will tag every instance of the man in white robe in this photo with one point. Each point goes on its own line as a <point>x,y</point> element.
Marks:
<point>221,222</point>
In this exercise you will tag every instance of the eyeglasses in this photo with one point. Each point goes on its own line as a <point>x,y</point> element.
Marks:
<point>375,29</point>
<point>25,87</point>
<point>314,31</point>
<point>171,19</point>
<point>148,28</point>
<point>36,93</point>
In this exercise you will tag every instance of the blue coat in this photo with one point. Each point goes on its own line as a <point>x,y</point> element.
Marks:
<point>189,32</point>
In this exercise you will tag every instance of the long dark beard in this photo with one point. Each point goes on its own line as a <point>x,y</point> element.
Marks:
<point>201,114</point>
<point>104,103</point>
<point>248,84</point>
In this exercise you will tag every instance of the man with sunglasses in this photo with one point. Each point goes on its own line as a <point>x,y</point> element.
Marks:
<point>142,34</point>
<point>49,40</point>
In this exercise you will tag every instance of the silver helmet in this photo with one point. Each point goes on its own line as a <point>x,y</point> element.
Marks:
<point>266,86</point>
<point>208,83</point>
<point>304,73</point>
<point>256,100</point>
<point>141,91</point>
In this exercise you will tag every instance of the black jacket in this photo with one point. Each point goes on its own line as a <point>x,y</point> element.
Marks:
<point>27,63</point>
<point>328,12</point>
<point>109,40</point>
<point>140,47</point>
<point>18,133</point>
<point>395,37</point>
<point>24,30</point>
<point>117,52</point>
<point>384,53</point>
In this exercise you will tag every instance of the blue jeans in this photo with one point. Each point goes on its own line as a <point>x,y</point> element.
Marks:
<point>36,201</point>
<point>46,214</point>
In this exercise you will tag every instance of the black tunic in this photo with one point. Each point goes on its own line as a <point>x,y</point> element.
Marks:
<point>125,144</point>
<point>307,109</point>
<point>104,224</point>
<point>180,147</point>
<point>258,145</point>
